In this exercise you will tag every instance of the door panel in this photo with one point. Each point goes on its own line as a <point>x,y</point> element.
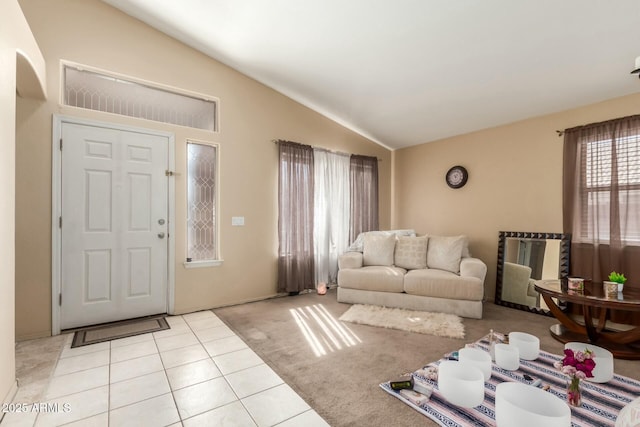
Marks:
<point>98,196</point>
<point>138,265</point>
<point>140,202</point>
<point>97,278</point>
<point>114,192</point>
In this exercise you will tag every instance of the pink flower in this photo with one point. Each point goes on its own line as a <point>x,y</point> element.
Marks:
<point>579,364</point>
<point>569,358</point>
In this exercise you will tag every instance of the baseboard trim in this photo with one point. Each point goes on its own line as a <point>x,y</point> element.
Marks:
<point>243,301</point>
<point>34,335</point>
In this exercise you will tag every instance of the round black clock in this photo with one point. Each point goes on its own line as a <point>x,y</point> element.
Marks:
<point>457,177</point>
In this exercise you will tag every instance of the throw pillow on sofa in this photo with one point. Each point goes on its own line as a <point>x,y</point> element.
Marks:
<point>444,253</point>
<point>411,252</point>
<point>358,244</point>
<point>378,249</point>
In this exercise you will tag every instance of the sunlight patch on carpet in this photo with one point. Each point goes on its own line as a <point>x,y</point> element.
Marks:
<point>422,322</point>
<point>322,331</point>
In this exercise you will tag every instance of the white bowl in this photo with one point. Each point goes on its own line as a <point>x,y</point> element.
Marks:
<point>521,405</point>
<point>462,384</point>
<point>529,345</point>
<point>603,371</point>
<point>628,415</point>
<point>478,358</point>
<point>507,356</point>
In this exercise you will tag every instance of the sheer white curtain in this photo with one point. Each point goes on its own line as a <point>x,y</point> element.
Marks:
<point>331,212</point>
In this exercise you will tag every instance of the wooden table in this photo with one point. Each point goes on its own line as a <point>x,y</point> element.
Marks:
<point>624,344</point>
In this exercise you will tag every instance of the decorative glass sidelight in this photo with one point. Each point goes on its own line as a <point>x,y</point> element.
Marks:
<point>201,202</point>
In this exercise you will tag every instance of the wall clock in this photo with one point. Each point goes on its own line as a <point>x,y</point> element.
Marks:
<point>457,177</point>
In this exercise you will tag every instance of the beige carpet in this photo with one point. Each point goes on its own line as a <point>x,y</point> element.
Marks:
<point>422,322</point>
<point>342,384</point>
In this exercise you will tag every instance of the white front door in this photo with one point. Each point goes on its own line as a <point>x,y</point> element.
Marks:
<point>114,207</point>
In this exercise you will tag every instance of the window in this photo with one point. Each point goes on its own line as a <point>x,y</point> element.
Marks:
<point>202,248</point>
<point>125,96</point>
<point>601,200</point>
<point>322,197</point>
<point>611,170</point>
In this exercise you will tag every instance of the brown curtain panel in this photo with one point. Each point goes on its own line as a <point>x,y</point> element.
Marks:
<point>295,220</point>
<point>601,198</point>
<point>363,179</point>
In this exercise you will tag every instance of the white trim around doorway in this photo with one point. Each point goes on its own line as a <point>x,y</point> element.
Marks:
<point>56,205</point>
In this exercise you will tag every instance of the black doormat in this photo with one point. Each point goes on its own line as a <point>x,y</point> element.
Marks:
<point>113,331</point>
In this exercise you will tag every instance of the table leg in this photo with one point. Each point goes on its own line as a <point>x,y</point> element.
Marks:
<point>593,332</point>
<point>623,344</point>
<point>566,321</point>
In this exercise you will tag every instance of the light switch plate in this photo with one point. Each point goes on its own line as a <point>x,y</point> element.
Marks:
<point>237,220</point>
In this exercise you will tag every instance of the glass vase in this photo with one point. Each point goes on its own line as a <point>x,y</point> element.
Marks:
<point>574,394</point>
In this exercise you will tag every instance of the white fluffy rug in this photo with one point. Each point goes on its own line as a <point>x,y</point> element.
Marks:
<point>422,322</point>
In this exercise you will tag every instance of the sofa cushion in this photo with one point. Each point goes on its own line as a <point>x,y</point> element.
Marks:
<point>373,278</point>
<point>411,252</point>
<point>443,284</point>
<point>358,244</point>
<point>350,260</point>
<point>444,253</point>
<point>378,249</point>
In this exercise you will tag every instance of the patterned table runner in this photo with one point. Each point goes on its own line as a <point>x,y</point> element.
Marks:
<point>601,403</point>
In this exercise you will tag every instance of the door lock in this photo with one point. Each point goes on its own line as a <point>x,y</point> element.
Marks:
<point>161,221</point>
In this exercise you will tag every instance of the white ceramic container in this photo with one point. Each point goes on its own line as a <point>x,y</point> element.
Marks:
<point>476,357</point>
<point>462,384</point>
<point>603,371</point>
<point>507,357</point>
<point>529,345</point>
<point>521,405</point>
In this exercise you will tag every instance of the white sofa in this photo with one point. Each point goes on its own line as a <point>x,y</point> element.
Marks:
<point>427,273</point>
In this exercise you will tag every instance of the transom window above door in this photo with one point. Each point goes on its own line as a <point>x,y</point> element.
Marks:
<point>126,96</point>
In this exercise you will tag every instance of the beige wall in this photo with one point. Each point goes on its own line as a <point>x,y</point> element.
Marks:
<point>251,115</point>
<point>515,179</point>
<point>17,50</point>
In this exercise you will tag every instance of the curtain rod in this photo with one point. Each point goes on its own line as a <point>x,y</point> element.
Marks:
<point>560,132</point>
<point>275,141</point>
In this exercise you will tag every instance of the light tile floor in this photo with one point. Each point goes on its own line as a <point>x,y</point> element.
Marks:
<point>198,373</point>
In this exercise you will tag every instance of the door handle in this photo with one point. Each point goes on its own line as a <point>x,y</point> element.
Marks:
<point>161,235</point>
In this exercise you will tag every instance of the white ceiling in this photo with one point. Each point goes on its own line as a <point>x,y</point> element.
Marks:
<point>405,72</point>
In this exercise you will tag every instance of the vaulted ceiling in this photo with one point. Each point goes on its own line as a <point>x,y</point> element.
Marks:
<point>406,72</point>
